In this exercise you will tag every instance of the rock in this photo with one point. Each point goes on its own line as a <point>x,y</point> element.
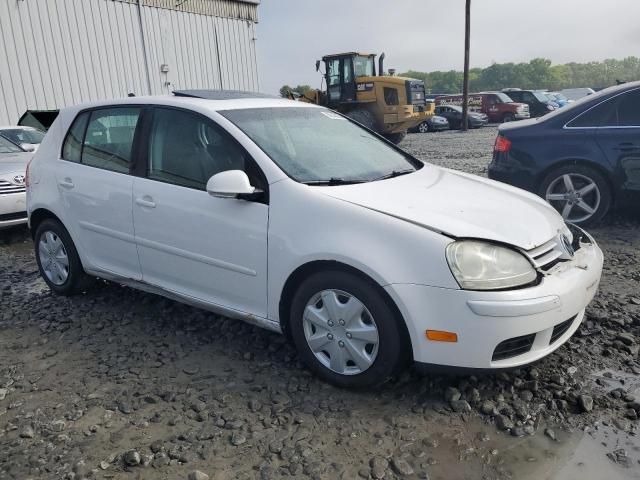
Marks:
<point>131,458</point>
<point>197,475</point>
<point>379,467</point>
<point>487,407</point>
<point>238,439</point>
<point>460,406</point>
<point>586,403</point>
<point>621,424</point>
<point>3,393</point>
<point>626,338</point>
<point>550,433</point>
<point>103,465</point>
<point>503,422</point>
<point>518,432</point>
<point>634,300</point>
<point>191,369</point>
<point>401,466</point>
<point>452,394</point>
<point>27,432</point>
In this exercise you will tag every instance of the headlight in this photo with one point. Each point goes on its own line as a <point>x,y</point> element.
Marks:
<point>479,265</point>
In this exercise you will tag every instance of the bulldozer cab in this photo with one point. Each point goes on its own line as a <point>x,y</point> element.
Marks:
<point>341,71</point>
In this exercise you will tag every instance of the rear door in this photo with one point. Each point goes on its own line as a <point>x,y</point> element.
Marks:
<point>619,138</point>
<point>96,188</point>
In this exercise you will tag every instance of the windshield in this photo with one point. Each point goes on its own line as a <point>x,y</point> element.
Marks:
<point>316,145</point>
<point>21,135</point>
<point>363,66</point>
<point>7,147</point>
<point>541,96</point>
<point>504,97</point>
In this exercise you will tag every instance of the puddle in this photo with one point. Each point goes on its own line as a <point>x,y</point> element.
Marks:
<point>610,380</point>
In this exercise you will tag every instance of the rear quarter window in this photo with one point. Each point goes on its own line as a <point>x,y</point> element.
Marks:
<point>72,147</point>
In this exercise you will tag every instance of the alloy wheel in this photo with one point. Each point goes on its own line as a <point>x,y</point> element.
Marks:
<point>577,197</point>
<point>53,258</point>
<point>423,127</point>
<point>341,332</point>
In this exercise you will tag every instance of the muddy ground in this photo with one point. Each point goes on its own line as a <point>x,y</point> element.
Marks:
<point>119,384</point>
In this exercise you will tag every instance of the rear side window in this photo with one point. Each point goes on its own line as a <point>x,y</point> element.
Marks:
<point>108,142</point>
<point>72,148</point>
<point>620,111</point>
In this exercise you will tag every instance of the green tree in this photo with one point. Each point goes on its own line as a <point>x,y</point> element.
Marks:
<point>285,90</point>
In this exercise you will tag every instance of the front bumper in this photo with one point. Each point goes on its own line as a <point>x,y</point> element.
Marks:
<point>13,209</point>
<point>546,315</point>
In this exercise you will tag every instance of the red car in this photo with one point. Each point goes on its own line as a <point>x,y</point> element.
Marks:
<point>497,106</point>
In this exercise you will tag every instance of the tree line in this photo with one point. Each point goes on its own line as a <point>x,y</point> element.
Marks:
<point>539,73</point>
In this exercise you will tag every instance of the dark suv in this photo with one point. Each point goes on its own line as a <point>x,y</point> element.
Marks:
<point>583,158</point>
<point>538,102</point>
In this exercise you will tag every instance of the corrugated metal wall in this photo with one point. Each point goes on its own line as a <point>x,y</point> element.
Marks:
<point>55,53</point>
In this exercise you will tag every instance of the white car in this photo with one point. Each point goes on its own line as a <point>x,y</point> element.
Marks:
<point>294,218</point>
<point>27,138</point>
<point>13,201</point>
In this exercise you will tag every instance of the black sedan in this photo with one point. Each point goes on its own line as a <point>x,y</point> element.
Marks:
<point>453,114</point>
<point>583,159</point>
<point>433,124</point>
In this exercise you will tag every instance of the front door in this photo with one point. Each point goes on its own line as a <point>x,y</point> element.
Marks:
<point>341,84</point>
<point>211,249</point>
<point>96,187</point>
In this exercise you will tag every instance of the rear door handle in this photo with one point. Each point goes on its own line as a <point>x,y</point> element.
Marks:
<point>146,201</point>
<point>627,147</point>
<point>66,183</point>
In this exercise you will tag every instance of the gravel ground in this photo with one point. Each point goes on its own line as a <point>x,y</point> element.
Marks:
<point>121,384</point>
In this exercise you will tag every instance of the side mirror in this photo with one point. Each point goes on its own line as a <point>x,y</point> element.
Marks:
<point>28,147</point>
<point>230,184</point>
<point>317,65</point>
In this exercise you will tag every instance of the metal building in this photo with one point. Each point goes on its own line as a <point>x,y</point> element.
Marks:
<point>55,53</point>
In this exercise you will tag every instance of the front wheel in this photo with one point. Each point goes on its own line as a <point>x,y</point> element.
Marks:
<point>580,194</point>
<point>345,332</point>
<point>58,259</point>
<point>509,117</point>
<point>395,138</point>
<point>424,127</point>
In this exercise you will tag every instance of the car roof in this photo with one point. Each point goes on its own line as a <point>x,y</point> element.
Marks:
<point>15,127</point>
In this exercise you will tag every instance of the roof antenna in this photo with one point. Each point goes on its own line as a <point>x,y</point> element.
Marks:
<point>131,94</point>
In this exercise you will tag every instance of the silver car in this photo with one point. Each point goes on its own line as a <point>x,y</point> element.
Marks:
<point>13,166</point>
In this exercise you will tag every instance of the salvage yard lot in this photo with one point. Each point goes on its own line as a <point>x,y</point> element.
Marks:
<point>122,384</point>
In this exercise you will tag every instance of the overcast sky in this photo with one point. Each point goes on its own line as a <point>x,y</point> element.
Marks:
<point>428,35</point>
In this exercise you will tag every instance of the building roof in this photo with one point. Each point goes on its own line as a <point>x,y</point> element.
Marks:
<point>240,9</point>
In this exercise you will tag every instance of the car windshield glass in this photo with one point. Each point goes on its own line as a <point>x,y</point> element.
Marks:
<point>21,135</point>
<point>316,145</point>
<point>363,66</point>
<point>504,97</point>
<point>541,96</point>
<point>7,147</point>
<point>456,108</point>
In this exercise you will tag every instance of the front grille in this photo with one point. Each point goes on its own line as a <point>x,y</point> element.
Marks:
<point>546,255</point>
<point>561,329</point>
<point>6,188</point>
<point>13,216</point>
<point>513,347</point>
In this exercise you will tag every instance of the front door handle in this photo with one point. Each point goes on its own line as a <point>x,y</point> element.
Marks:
<point>66,183</point>
<point>146,201</point>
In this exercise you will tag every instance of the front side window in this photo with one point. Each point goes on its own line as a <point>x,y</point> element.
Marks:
<point>72,148</point>
<point>334,72</point>
<point>316,145</point>
<point>187,149</point>
<point>108,142</point>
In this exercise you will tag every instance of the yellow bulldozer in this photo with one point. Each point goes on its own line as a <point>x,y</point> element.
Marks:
<point>386,104</point>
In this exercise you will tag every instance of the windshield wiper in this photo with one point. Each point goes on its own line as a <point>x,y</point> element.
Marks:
<point>395,173</point>
<point>333,181</point>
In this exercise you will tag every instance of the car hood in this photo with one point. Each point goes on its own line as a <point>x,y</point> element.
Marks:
<point>14,162</point>
<point>458,205</point>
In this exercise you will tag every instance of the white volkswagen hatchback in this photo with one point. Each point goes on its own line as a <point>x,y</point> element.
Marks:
<point>292,217</point>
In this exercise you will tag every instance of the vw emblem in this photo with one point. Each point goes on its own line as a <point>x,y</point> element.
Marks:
<point>18,179</point>
<point>567,245</point>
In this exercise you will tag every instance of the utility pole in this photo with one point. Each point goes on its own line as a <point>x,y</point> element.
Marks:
<point>465,86</point>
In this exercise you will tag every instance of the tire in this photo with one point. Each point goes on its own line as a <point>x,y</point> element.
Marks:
<point>378,362</point>
<point>590,189</point>
<point>395,138</point>
<point>424,127</point>
<point>363,117</point>
<point>52,241</point>
<point>508,117</point>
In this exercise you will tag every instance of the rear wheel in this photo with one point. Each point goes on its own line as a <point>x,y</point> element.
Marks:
<point>395,138</point>
<point>58,259</point>
<point>580,194</point>
<point>344,330</point>
<point>424,127</point>
<point>508,117</point>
